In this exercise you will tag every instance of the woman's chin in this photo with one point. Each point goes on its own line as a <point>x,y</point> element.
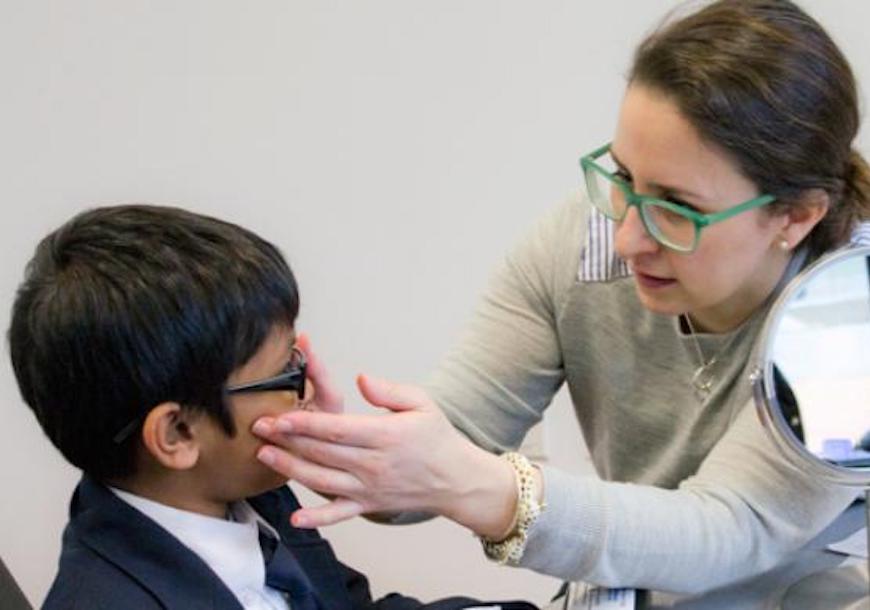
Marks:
<point>657,303</point>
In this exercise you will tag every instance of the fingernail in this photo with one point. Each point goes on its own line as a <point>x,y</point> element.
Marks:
<point>262,427</point>
<point>267,456</point>
<point>298,521</point>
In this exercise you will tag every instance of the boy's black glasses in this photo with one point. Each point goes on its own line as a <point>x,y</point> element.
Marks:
<point>291,379</point>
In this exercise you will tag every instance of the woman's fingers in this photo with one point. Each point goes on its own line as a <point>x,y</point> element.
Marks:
<point>393,396</point>
<point>326,395</point>
<point>330,513</point>
<point>349,429</point>
<point>355,460</point>
<point>355,430</point>
<point>320,478</point>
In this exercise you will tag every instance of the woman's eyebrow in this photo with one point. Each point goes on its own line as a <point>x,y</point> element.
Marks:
<point>616,159</point>
<point>666,188</point>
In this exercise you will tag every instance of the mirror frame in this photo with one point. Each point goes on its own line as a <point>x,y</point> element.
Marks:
<point>766,402</point>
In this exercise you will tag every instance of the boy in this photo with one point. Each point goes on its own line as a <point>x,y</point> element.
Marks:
<point>147,340</point>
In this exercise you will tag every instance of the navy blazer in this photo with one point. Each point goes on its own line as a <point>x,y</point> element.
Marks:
<point>116,558</point>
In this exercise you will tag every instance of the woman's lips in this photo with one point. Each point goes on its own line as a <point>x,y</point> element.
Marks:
<point>652,281</point>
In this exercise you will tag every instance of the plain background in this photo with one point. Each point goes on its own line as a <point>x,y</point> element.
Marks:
<point>394,149</point>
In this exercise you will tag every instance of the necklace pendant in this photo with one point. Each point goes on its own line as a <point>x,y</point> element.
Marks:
<point>702,382</point>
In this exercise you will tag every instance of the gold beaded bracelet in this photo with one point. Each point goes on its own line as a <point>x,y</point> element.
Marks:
<point>510,550</point>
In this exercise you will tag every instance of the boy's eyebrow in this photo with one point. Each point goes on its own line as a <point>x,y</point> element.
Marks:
<point>285,359</point>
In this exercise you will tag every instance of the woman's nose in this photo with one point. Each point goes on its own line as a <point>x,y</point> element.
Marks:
<point>632,238</point>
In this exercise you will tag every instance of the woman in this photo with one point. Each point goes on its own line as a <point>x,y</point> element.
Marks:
<point>730,169</point>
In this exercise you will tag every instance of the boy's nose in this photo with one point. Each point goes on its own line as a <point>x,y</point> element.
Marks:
<point>632,238</point>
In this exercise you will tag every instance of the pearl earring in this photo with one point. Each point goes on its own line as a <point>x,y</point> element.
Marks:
<point>783,245</point>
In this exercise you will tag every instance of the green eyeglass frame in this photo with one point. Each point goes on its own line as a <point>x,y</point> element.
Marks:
<point>647,206</point>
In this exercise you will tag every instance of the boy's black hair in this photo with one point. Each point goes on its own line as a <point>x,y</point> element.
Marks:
<point>125,307</point>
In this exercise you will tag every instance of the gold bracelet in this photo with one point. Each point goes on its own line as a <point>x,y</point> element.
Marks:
<point>510,550</point>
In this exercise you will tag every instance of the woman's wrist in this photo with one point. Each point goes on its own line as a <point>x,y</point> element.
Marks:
<point>486,498</point>
<point>511,545</point>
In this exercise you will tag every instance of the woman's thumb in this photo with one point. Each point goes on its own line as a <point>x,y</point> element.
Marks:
<point>391,395</point>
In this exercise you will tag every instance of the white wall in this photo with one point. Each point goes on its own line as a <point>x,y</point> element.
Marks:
<point>393,148</point>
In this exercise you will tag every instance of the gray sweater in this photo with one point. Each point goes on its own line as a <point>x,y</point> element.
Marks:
<point>692,494</point>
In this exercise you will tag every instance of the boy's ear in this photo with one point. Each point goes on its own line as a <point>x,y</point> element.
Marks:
<point>169,437</point>
<point>804,215</point>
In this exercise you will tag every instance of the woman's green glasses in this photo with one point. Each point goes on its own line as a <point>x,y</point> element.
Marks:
<point>672,225</point>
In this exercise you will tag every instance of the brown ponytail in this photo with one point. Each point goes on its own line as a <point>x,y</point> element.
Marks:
<point>852,207</point>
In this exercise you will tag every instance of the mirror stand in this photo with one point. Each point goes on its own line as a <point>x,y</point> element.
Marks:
<point>844,588</point>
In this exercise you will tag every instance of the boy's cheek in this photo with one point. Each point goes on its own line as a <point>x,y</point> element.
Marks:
<point>272,479</point>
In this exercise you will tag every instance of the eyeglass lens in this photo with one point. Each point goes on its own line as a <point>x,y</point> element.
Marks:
<point>609,196</point>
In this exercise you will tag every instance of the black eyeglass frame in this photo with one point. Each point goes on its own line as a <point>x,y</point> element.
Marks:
<point>292,379</point>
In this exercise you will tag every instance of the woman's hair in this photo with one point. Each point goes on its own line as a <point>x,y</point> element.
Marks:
<point>762,80</point>
<point>126,307</point>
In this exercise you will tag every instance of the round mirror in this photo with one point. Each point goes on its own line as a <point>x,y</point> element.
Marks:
<point>812,389</point>
<point>813,380</point>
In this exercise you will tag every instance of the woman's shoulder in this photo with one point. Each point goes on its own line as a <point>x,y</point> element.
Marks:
<point>576,242</point>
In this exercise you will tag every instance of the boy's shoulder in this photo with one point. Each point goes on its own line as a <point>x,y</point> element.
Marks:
<point>114,556</point>
<point>86,581</point>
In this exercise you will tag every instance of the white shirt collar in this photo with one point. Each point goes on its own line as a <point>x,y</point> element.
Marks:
<point>231,548</point>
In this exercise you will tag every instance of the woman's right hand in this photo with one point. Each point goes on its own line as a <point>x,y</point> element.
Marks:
<point>322,395</point>
<point>408,459</point>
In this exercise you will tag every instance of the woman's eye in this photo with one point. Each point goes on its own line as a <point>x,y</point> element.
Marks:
<point>622,175</point>
<point>680,202</point>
